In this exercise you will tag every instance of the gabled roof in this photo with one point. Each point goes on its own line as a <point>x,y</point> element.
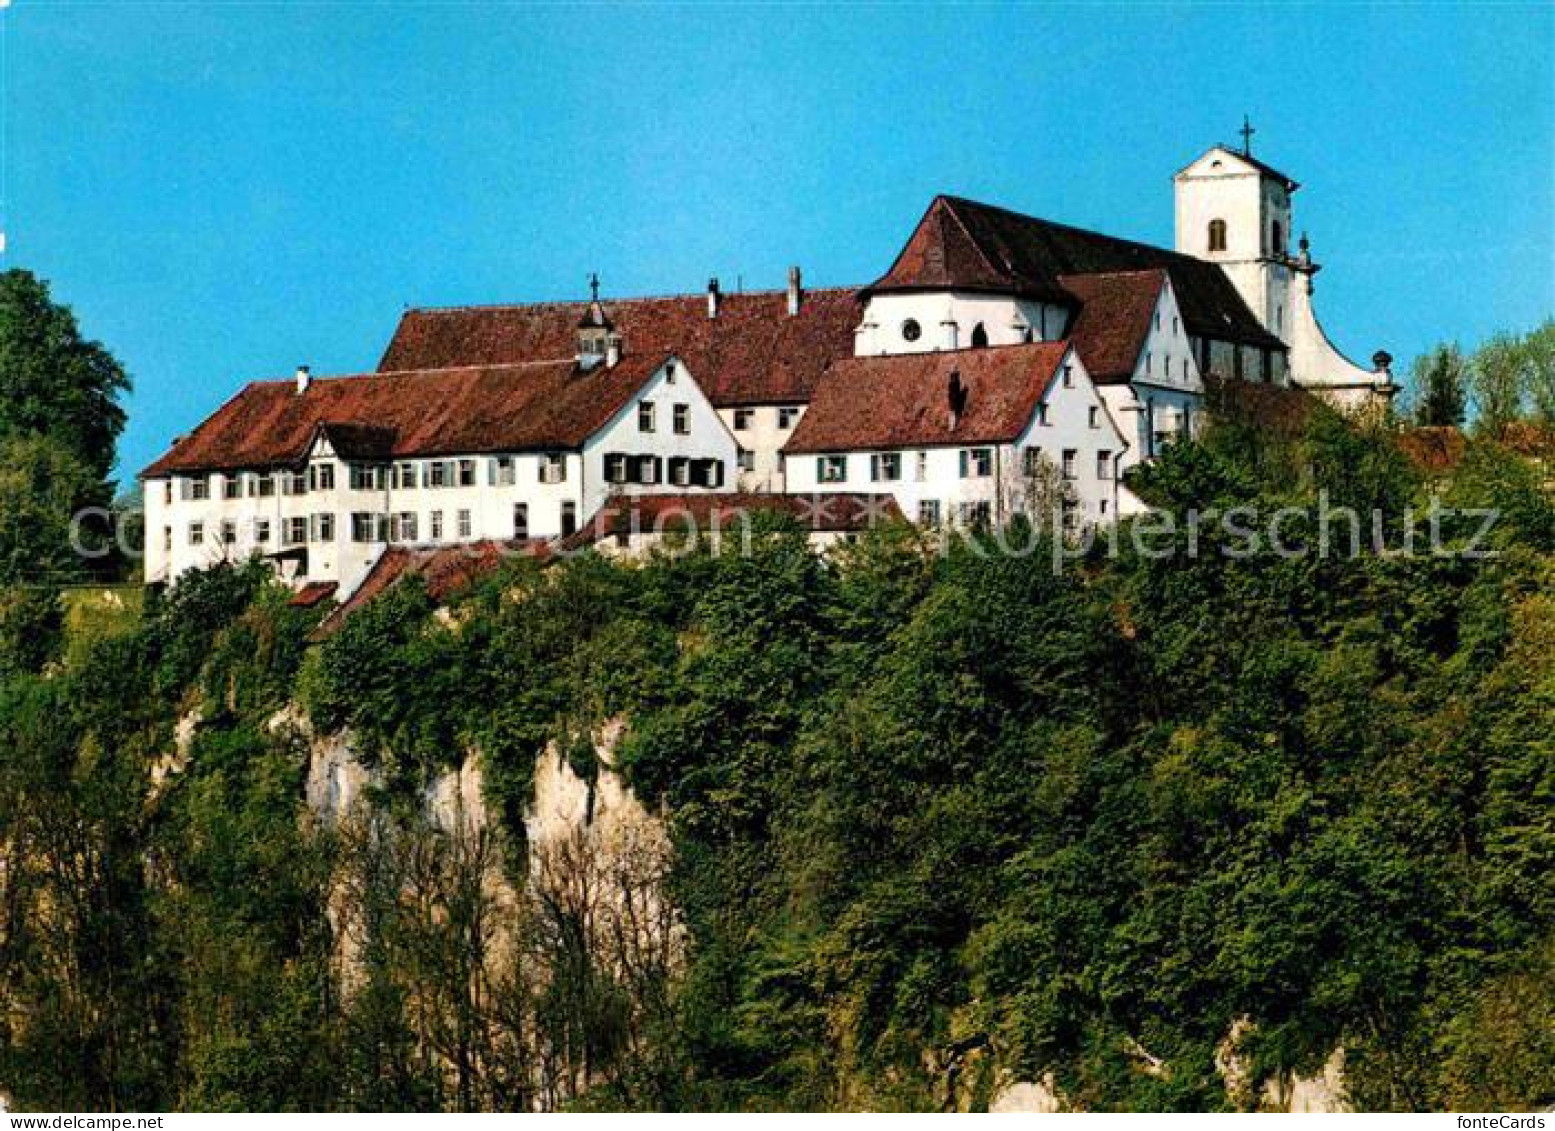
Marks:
<point>1115,317</point>
<point>752,353</point>
<point>844,512</point>
<point>1247,159</point>
<point>903,400</point>
<point>358,441</point>
<point>964,245</point>
<point>410,414</point>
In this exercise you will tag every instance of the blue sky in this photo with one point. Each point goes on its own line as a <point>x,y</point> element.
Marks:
<point>225,190</point>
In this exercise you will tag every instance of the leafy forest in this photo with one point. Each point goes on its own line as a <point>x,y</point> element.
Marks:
<point>940,816</point>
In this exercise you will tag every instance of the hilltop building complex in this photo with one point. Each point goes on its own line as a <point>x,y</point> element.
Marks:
<point>1000,358</point>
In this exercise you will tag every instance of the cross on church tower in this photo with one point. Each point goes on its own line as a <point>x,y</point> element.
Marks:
<point>1247,133</point>
<point>593,286</point>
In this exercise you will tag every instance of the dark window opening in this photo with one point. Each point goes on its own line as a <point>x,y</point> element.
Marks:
<point>1217,235</point>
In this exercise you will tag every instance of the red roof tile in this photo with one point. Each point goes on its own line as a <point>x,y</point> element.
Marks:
<point>1114,320</point>
<point>1433,449</point>
<point>963,244</point>
<point>828,513</point>
<point>752,353</point>
<point>409,414</point>
<point>903,400</point>
<point>313,593</point>
<point>447,570</point>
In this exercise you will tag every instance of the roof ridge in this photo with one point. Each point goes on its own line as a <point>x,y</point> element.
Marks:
<point>1076,228</point>
<point>570,302</point>
<point>532,363</point>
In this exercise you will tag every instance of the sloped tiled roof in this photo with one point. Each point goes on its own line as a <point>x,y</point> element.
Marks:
<point>903,400</point>
<point>977,247</point>
<point>446,569</point>
<point>313,593</point>
<point>358,441</point>
<point>752,353</point>
<point>1114,320</point>
<point>830,513</point>
<point>1439,449</point>
<point>1433,449</point>
<point>1266,169</point>
<point>410,414</point>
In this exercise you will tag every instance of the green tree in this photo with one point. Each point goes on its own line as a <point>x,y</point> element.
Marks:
<point>1440,382</point>
<point>1499,378</point>
<point>1540,347</point>
<point>53,381</point>
<point>42,488</point>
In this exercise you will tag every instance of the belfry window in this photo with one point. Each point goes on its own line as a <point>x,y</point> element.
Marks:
<point>1217,235</point>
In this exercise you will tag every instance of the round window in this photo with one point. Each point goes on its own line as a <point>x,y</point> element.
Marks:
<point>911,331</point>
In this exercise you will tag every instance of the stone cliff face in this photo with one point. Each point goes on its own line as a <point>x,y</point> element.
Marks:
<point>1323,1093</point>
<point>595,856</point>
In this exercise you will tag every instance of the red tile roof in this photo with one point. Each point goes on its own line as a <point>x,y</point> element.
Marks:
<point>903,400</point>
<point>752,353</point>
<point>313,593</point>
<point>1114,320</point>
<point>412,414</point>
<point>963,244</point>
<point>447,570</point>
<point>1433,449</point>
<point>827,513</point>
<point>1442,449</point>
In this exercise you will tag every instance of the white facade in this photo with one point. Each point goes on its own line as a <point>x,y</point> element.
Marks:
<point>1164,397</point>
<point>949,320</point>
<point>761,431</point>
<point>944,484</point>
<point>330,520</point>
<point>1234,212</point>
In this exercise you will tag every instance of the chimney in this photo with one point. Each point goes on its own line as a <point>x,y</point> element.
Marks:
<point>793,291</point>
<point>612,351</point>
<point>304,379</point>
<point>955,395</point>
<point>712,298</point>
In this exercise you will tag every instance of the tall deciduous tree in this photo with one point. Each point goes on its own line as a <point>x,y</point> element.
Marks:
<point>1440,394</point>
<point>52,380</point>
<point>1498,378</point>
<point>1540,348</point>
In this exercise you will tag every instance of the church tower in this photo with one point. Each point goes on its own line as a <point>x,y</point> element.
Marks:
<point>1234,210</point>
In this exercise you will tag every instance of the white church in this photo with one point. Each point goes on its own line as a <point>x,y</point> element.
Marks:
<point>998,351</point>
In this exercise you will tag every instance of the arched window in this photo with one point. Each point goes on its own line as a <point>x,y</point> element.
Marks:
<point>979,337</point>
<point>1217,235</point>
<point>1277,239</point>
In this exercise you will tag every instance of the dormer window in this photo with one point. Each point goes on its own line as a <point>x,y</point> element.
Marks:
<point>1217,235</point>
